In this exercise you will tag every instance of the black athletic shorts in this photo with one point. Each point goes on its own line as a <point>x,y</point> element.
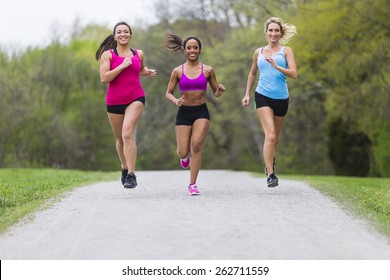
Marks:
<point>279,106</point>
<point>120,109</point>
<point>187,115</point>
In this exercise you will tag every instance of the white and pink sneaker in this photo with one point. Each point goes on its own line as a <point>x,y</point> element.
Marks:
<point>185,163</point>
<point>193,189</point>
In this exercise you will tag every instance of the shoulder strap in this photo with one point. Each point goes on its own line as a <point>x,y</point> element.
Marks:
<point>260,53</point>
<point>132,50</point>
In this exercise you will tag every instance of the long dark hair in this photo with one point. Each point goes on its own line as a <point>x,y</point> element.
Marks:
<point>109,42</point>
<point>176,43</point>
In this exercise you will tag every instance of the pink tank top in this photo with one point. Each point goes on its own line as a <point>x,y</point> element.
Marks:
<point>126,87</point>
<point>186,84</point>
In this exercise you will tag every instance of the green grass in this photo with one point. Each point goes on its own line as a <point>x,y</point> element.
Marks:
<point>368,198</point>
<point>23,191</point>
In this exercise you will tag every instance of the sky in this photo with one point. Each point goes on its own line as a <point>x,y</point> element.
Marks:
<point>26,23</point>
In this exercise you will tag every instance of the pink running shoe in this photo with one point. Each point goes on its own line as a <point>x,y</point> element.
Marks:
<point>185,163</point>
<point>193,189</point>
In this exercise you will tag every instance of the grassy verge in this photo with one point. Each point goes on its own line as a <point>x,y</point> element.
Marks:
<point>25,190</point>
<point>368,198</point>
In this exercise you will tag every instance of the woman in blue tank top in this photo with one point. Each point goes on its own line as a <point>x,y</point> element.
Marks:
<point>275,62</point>
<point>192,119</point>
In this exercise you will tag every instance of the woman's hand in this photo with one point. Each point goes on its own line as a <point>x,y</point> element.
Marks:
<point>146,72</point>
<point>220,90</point>
<point>179,101</point>
<point>272,62</point>
<point>245,101</point>
<point>126,62</point>
<point>152,73</point>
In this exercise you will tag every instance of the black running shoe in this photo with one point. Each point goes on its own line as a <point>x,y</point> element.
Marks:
<point>272,181</point>
<point>123,176</point>
<point>130,181</point>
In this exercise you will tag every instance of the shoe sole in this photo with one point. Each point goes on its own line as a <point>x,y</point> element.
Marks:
<point>192,194</point>
<point>273,184</point>
<point>129,187</point>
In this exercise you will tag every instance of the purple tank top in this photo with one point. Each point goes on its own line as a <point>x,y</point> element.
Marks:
<point>126,87</point>
<point>186,84</point>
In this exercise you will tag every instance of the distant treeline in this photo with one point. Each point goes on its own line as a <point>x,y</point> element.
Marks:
<point>52,110</point>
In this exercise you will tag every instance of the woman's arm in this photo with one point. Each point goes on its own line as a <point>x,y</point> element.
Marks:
<point>251,78</point>
<point>145,71</point>
<point>291,70</point>
<point>107,75</point>
<point>218,89</point>
<point>171,89</point>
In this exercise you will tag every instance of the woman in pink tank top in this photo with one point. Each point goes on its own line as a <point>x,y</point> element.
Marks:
<point>121,68</point>
<point>192,119</point>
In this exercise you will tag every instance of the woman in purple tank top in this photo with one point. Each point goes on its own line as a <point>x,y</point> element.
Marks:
<point>192,119</point>
<point>121,68</point>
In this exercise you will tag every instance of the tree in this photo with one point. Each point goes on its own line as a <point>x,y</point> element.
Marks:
<point>352,67</point>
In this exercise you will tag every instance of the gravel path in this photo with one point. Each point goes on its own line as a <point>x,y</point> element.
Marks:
<point>235,217</point>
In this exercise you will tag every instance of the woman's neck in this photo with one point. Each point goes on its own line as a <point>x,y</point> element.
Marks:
<point>193,63</point>
<point>122,48</point>
<point>273,46</point>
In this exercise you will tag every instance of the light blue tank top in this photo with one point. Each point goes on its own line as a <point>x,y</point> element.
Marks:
<point>272,83</point>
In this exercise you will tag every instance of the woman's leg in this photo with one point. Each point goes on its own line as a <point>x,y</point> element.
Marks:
<point>116,121</point>
<point>267,120</point>
<point>279,122</point>
<point>183,136</point>
<point>198,135</point>
<point>132,116</point>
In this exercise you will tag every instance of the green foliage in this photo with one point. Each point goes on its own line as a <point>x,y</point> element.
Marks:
<point>382,147</point>
<point>349,152</point>
<point>53,111</point>
<point>53,98</point>
<point>345,51</point>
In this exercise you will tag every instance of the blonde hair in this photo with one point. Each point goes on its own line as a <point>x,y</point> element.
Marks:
<point>288,30</point>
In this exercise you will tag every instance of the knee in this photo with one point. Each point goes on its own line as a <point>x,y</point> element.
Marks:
<point>271,138</point>
<point>127,136</point>
<point>196,147</point>
<point>182,153</point>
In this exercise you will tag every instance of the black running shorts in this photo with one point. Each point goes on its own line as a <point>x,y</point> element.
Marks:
<point>120,109</point>
<point>279,106</point>
<point>187,115</point>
